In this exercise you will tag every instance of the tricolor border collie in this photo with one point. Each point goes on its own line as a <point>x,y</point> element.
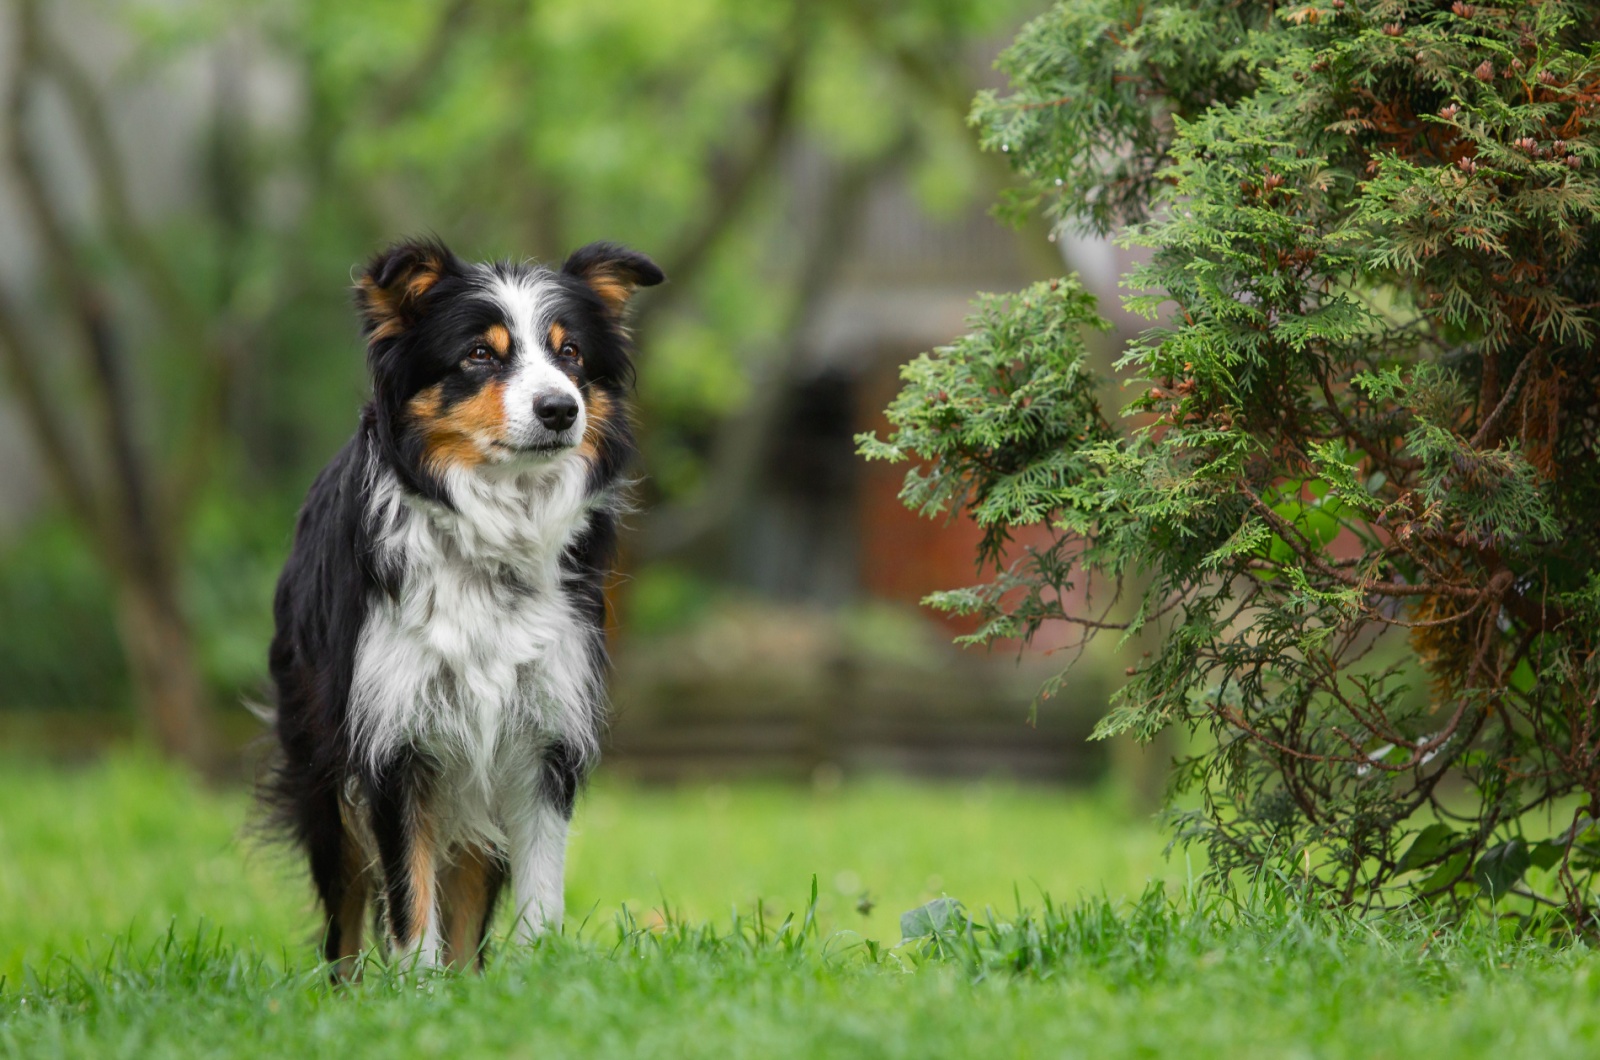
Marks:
<point>440,646</point>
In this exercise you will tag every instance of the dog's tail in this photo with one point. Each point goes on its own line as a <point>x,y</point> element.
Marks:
<point>272,818</point>
<point>266,713</point>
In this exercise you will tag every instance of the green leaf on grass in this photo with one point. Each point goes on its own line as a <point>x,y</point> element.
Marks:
<point>1431,842</point>
<point>1501,867</point>
<point>1547,854</point>
<point>936,917</point>
<point>1445,875</point>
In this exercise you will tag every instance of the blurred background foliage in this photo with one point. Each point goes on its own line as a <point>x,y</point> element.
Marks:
<point>187,184</point>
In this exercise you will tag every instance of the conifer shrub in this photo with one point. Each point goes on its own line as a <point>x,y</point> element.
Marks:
<point>1354,490</point>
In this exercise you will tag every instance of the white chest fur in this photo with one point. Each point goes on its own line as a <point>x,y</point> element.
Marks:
<point>481,658</point>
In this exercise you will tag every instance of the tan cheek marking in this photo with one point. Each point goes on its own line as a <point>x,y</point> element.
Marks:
<point>484,413</point>
<point>453,435</point>
<point>499,339</point>
<point>599,408</point>
<point>424,408</point>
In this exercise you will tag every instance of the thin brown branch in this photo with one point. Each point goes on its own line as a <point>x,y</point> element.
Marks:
<point>405,88</point>
<point>1481,436</point>
<point>151,270</point>
<point>1292,538</point>
<point>742,443</point>
<point>733,192</point>
<point>52,439</point>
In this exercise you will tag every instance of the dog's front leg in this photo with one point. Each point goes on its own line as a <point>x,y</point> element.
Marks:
<point>408,849</point>
<point>538,866</point>
<point>539,840</point>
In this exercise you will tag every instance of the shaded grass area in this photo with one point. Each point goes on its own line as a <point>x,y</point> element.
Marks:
<point>133,922</point>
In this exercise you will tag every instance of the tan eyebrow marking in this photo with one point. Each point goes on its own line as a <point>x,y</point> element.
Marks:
<point>498,338</point>
<point>558,337</point>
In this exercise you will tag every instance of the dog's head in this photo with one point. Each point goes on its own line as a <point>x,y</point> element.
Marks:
<point>478,368</point>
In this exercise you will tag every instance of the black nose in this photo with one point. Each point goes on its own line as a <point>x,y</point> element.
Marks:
<point>555,410</point>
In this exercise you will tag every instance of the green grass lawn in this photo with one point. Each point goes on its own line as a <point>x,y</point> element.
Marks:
<point>135,921</point>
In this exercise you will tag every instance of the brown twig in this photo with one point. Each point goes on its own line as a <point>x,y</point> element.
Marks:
<point>732,194</point>
<point>742,443</point>
<point>54,442</point>
<point>1481,436</point>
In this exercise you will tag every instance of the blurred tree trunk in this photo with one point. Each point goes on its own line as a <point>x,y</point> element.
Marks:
<point>133,511</point>
<point>167,686</point>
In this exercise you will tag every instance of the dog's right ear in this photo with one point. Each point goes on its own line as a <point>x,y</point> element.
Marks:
<point>390,292</point>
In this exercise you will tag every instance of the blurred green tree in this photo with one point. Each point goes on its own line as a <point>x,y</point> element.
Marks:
<point>211,349</point>
<point>1367,411</point>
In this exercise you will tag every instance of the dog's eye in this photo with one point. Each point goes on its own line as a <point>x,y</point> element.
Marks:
<point>568,350</point>
<point>479,354</point>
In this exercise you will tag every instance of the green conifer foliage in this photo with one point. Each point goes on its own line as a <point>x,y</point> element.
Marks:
<point>1363,430</point>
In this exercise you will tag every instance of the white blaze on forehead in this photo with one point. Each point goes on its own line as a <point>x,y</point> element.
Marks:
<point>528,302</point>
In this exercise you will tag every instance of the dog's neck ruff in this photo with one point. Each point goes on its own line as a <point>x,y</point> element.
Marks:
<point>516,514</point>
<point>479,639</point>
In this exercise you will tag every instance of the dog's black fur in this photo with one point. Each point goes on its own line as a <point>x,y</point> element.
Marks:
<point>442,427</point>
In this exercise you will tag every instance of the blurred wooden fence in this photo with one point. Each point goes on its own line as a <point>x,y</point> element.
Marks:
<point>781,694</point>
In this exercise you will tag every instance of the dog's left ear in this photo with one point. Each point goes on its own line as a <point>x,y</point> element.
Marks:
<point>613,272</point>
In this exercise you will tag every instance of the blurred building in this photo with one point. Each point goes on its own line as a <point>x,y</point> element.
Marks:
<point>833,664</point>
